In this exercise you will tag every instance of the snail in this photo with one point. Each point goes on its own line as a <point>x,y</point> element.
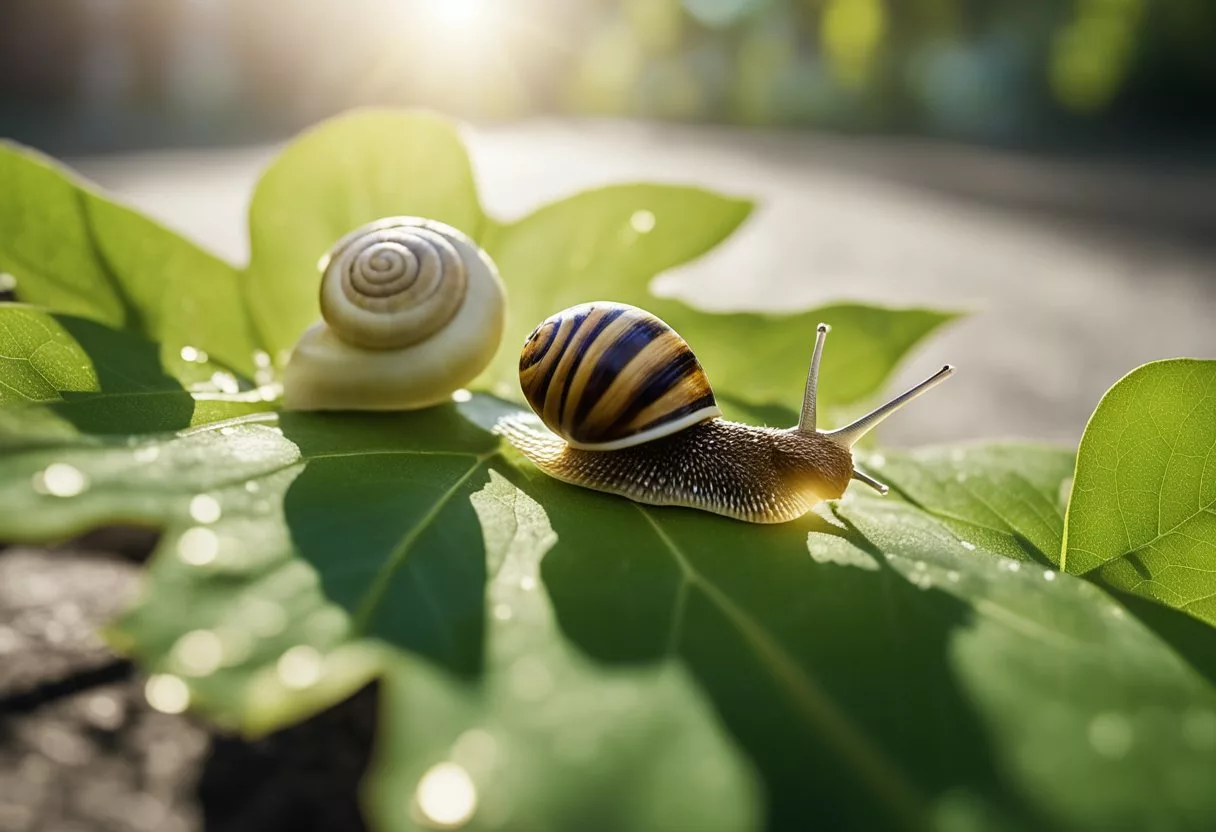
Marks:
<point>629,411</point>
<point>412,310</point>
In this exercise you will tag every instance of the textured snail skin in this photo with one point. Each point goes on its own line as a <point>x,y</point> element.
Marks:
<point>409,342</point>
<point>755,474</point>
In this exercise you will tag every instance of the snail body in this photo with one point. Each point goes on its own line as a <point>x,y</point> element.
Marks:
<point>412,310</point>
<point>629,411</point>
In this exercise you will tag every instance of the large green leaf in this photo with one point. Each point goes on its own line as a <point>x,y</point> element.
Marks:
<point>870,697</point>
<point>1091,720</point>
<point>303,558</point>
<point>603,244</point>
<point>74,251</point>
<point>57,369</point>
<point>1143,512</point>
<point>306,554</point>
<point>1003,497</point>
<point>336,177</point>
<point>608,244</point>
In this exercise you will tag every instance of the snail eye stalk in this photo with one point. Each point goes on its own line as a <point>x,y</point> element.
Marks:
<point>806,421</point>
<point>848,436</point>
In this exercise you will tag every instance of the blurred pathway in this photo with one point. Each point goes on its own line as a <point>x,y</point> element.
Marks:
<point>1075,272</point>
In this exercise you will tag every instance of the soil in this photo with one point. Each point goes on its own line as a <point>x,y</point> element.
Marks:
<point>81,749</point>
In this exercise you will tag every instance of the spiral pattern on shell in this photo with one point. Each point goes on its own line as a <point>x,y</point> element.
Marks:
<point>394,283</point>
<point>605,376</point>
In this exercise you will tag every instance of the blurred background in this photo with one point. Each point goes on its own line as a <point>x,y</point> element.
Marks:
<point>96,75</point>
<point>1048,166</point>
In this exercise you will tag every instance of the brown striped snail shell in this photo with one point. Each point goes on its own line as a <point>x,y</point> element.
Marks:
<point>412,311</point>
<point>630,411</point>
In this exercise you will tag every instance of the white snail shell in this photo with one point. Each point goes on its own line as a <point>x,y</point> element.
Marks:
<point>412,311</point>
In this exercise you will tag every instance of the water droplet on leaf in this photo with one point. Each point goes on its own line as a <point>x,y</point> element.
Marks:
<point>446,796</point>
<point>167,693</point>
<point>299,667</point>
<point>198,652</point>
<point>198,546</point>
<point>642,221</point>
<point>61,480</point>
<point>205,509</point>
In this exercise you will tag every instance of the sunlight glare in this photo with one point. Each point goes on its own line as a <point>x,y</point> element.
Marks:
<point>459,14</point>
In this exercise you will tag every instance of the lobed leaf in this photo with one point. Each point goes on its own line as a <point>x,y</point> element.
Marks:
<point>1094,723</point>
<point>602,244</point>
<point>73,251</point>
<point>1006,498</point>
<point>1142,517</point>
<point>342,174</point>
<point>303,558</point>
<point>60,370</point>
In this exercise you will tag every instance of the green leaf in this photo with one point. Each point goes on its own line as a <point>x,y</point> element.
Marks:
<point>345,173</point>
<point>60,368</point>
<point>870,697</point>
<point>608,244</point>
<point>75,252</point>
<point>1003,497</point>
<point>602,244</point>
<point>866,345</point>
<point>1142,517</point>
<point>303,558</point>
<point>1097,724</point>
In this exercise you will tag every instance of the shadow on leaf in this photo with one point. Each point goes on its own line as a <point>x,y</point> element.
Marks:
<point>382,512</point>
<point>837,679</point>
<point>134,395</point>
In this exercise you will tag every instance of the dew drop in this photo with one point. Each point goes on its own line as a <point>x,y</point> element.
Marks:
<point>299,667</point>
<point>7,282</point>
<point>148,453</point>
<point>527,583</point>
<point>1110,734</point>
<point>968,545</point>
<point>198,546</point>
<point>952,576</point>
<point>189,354</point>
<point>225,382</point>
<point>167,693</point>
<point>642,221</point>
<point>446,796</point>
<point>252,487</point>
<point>199,652</point>
<point>205,509</point>
<point>261,360</point>
<point>1049,575</point>
<point>461,396</point>
<point>61,480</point>
<point>503,612</point>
